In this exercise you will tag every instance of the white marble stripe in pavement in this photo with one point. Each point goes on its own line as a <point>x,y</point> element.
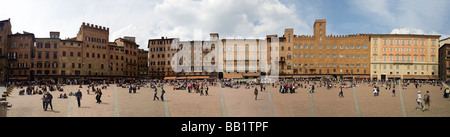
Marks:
<point>401,102</point>
<point>274,111</point>
<point>222,102</point>
<point>71,98</point>
<point>358,114</point>
<point>116,107</point>
<point>311,103</point>
<point>166,106</point>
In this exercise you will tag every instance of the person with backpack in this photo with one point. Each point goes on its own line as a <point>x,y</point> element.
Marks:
<point>426,99</point>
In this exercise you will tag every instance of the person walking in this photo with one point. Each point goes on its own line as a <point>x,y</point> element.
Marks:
<point>156,93</point>
<point>426,99</point>
<point>419,101</point>
<point>78,95</point>
<point>256,93</point>
<point>341,92</point>
<point>48,101</point>
<point>162,93</point>
<point>206,91</point>
<point>99,96</point>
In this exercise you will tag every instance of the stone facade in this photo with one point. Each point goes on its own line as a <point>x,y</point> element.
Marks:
<point>322,55</point>
<point>88,56</point>
<point>143,63</point>
<point>444,59</point>
<point>5,30</point>
<point>20,54</point>
<point>404,56</point>
<point>160,56</point>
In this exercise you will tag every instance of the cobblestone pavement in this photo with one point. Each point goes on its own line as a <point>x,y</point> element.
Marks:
<point>116,101</point>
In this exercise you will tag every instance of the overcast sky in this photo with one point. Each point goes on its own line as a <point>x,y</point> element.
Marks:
<point>151,19</point>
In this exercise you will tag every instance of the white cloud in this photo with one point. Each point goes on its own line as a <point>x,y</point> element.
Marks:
<point>417,31</point>
<point>230,18</point>
<point>145,19</point>
<point>407,31</point>
<point>403,16</point>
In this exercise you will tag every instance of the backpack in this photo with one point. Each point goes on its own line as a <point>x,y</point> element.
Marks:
<point>426,98</point>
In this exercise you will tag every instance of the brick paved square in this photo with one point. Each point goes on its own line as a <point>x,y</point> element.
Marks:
<point>231,102</point>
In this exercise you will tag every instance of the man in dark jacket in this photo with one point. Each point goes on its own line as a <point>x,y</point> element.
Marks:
<point>78,95</point>
<point>155,94</point>
<point>48,100</point>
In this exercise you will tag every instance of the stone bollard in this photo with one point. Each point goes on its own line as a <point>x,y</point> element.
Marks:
<point>3,99</point>
<point>3,108</point>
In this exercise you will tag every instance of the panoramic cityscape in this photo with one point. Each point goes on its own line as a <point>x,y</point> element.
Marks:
<point>94,71</point>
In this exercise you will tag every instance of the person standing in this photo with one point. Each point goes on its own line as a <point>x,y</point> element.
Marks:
<point>393,91</point>
<point>48,101</point>
<point>310,88</point>
<point>129,89</point>
<point>256,93</point>
<point>156,93</point>
<point>426,99</point>
<point>44,102</point>
<point>206,91</point>
<point>78,95</point>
